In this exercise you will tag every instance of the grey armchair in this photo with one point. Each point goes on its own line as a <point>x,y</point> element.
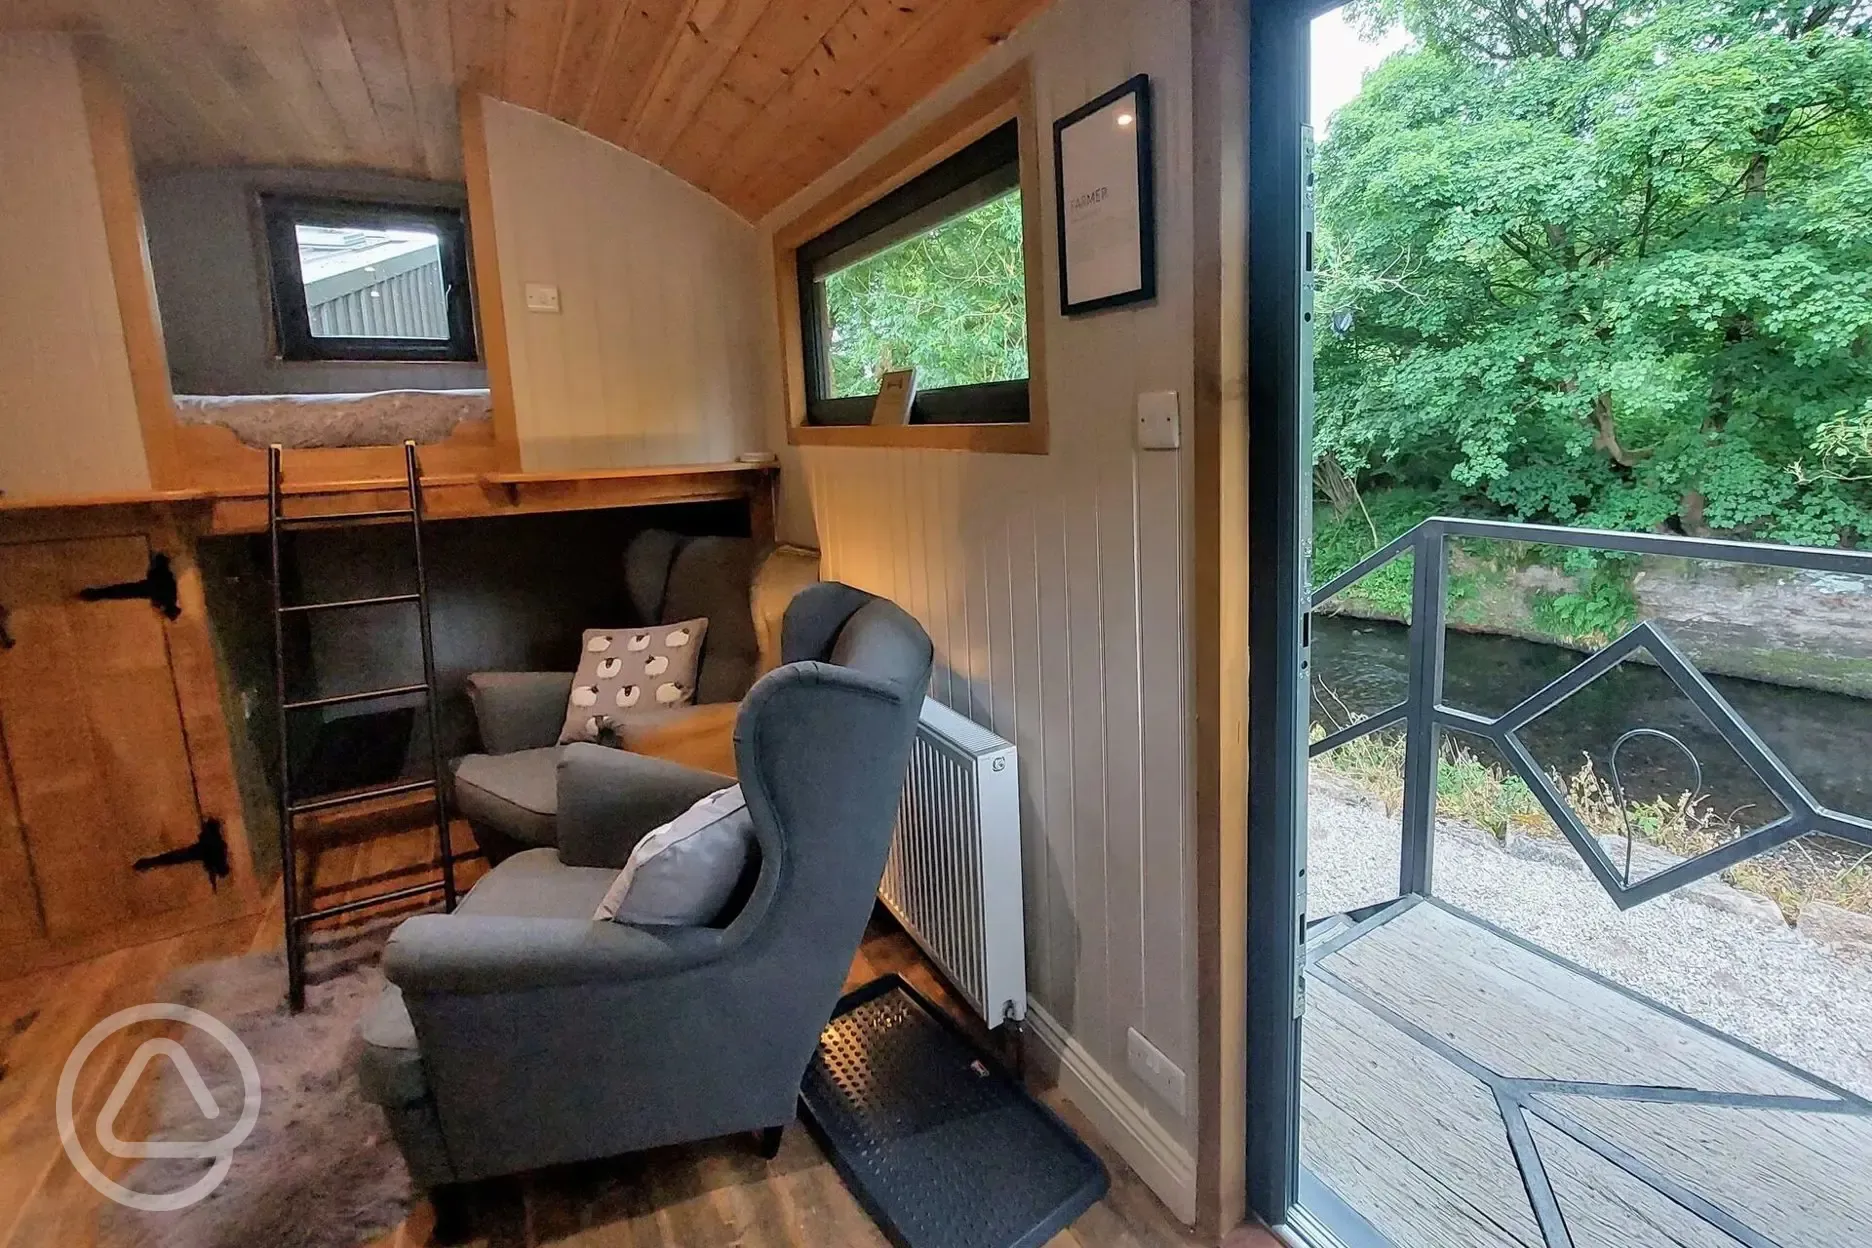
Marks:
<point>518,1032</point>
<point>510,792</point>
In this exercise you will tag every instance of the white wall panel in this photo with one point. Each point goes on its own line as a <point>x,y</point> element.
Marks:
<point>658,352</point>
<point>68,418</point>
<point>1056,587</point>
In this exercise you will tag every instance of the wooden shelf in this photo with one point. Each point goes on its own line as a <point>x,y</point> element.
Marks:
<point>446,497</point>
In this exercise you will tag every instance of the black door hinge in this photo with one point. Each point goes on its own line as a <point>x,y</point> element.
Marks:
<point>158,585</point>
<point>210,850</point>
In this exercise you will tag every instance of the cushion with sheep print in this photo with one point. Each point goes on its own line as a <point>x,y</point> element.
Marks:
<point>622,670</point>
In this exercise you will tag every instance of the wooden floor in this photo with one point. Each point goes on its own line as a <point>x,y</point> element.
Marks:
<point>714,1195</point>
<point>1431,1039</point>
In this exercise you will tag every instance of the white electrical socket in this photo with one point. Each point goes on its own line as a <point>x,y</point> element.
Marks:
<point>542,297</point>
<point>1159,1073</point>
<point>1158,421</point>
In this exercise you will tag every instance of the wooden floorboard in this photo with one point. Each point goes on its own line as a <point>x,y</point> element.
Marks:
<point>717,1194</point>
<point>1415,1027</point>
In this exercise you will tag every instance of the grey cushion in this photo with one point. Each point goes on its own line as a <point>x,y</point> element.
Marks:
<point>534,884</point>
<point>684,873</point>
<point>631,671</point>
<point>517,793</point>
<point>390,1068</point>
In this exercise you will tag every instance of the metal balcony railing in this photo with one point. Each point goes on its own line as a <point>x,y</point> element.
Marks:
<point>1426,717</point>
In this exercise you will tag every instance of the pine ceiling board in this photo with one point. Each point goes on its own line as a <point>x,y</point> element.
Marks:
<point>705,44</point>
<point>535,31</point>
<point>673,37</point>
<point>165,61</point>
<point>591,31</point>
<point>423,26</point>
<point>840,60</point>
<point>267,31</point>
<point>640,40</point>
<point>933,53</point>
<point>477,37</point>
<point>377,43</point>
<point>783,38</point>
<point>335,63</point>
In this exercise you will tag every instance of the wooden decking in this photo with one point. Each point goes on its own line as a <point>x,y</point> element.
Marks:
<point>1461,1087</point>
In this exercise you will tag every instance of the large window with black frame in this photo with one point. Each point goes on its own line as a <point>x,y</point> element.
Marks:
<point>932,277</point>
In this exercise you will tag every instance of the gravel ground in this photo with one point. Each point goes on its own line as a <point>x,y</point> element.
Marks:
<point>1772,987</point>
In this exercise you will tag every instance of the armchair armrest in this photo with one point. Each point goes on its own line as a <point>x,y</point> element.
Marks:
<point>475,955</point>
<point>609,799</point>
<point>695,736</point>
<point>519,710</point>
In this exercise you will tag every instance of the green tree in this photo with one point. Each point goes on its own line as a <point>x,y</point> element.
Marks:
<point>951,302</point>
<point>1604,262</point>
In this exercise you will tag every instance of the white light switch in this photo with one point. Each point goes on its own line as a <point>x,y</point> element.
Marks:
<point>542,297</point>
<point>1158,425</point>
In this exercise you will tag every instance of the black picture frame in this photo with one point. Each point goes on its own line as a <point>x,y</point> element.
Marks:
<point>293,337</point>
<point>1146,290</point>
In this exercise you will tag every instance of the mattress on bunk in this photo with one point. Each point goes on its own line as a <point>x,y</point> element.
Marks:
<point>297,421</point>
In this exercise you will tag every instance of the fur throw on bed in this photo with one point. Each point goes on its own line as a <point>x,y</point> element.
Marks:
<point>298,421</point>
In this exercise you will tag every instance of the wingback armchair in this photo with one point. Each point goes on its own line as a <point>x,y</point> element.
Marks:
<point>519,1032</point>
<point>510,792</point>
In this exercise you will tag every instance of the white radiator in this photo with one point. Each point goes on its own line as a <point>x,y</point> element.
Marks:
<point>954,875</point>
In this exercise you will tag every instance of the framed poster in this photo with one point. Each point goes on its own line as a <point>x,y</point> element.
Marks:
<point>1106,208</point>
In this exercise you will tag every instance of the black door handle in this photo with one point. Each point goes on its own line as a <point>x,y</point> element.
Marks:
<point>6,638</point>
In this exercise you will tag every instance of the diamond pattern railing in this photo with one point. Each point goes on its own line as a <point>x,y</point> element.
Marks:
<point>1426,717</point>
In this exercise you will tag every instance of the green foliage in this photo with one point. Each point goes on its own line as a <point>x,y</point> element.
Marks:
<point>1339,541</point>
<point>1606,263</point>
<point>1596,612</point>
<point>952,303</point>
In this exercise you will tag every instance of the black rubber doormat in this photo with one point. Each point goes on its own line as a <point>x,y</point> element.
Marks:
<point>942,1147</point>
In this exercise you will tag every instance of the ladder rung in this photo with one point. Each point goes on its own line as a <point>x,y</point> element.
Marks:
<point>381,600</point>
<point>362,903</point>
<point>360,795</point>
<point>366,695</point>
<point>349,517</point>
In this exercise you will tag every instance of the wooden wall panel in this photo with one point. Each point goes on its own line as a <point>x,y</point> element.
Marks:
<point>1057,587</point>
<point>68,411</point>
<point>657,354</point>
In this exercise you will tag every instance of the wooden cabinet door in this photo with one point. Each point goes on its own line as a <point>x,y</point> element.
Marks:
<point>94,739</point>
<point>20,920</point>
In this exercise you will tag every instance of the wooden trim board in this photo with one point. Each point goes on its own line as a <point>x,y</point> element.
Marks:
<point>1219,609</point>
<point>1008,97</point>
<point>445,497</point>
<point>128,245</point>
<point>484,258</point>
<point>1165,1165</point>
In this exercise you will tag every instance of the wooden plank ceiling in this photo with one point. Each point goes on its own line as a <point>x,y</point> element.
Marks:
<point>751,100</point>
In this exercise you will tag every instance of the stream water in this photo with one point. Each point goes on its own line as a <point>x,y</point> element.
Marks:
<point>1825,739</point>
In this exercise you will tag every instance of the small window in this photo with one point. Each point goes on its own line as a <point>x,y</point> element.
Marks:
<point>356,281</point>
<point>932,277</point>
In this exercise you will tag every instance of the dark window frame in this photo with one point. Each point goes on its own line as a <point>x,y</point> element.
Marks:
<point>296,343</point>
<point>986,169</point>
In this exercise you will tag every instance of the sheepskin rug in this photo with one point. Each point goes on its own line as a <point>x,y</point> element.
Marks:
<point>320,1169</point>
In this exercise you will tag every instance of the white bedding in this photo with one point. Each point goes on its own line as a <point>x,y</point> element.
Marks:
<point>384,418</point>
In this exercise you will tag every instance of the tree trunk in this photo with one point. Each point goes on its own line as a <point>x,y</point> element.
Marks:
<point>1690,514</point>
